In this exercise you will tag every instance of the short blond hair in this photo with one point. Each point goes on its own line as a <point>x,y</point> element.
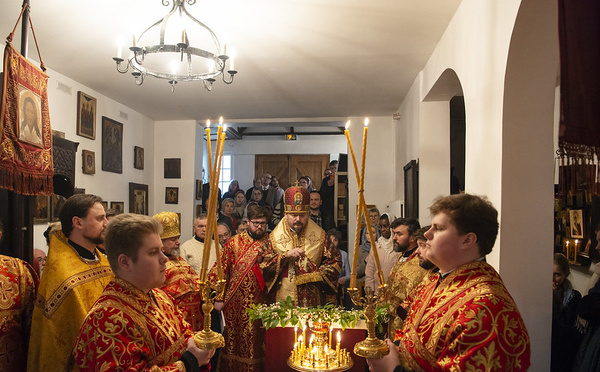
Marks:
<point>125,234</point>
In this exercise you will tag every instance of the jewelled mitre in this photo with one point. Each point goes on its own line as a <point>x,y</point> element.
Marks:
<point>170,224</point>
<point>296,200</point>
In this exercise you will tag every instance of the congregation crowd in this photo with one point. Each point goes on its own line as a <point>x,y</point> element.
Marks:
<point>125,294</point>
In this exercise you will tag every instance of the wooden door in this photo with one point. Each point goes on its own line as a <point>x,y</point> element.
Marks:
<point>277,165</point>
<point>309,165</point>
<point>289,168</point>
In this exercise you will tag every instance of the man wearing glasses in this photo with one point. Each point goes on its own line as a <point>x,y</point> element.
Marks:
<point>244,342</point>
<point>303,265</point>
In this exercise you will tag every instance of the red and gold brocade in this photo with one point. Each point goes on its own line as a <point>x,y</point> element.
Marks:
<point>183,284</point>
<point>128,330</point>
<point>403,278</point>
<point>244,342</point>
<point>18,286</point>
<point>468,323</point>
<point>310,280</point>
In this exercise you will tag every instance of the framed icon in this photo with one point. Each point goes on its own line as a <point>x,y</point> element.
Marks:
<point>172,195</point>
<point>173,168</point>
<point>86,115</point>
<point>138,157</point>
<point>118,207</point>
<point>138,198</point>
<point>112,145</point>
<point>88,162</point>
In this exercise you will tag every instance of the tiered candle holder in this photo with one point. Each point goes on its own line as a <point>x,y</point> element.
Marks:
<point>371,347</point>
<point>207,338</point>
<point>318,355</point>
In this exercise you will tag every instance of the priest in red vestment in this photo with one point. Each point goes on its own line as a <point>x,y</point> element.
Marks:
<point>465,320</point>
<point>182,282</point>
<point>244,349</point>
<point>303,265</point>
<point>18,287</point>
<point>134,326</point>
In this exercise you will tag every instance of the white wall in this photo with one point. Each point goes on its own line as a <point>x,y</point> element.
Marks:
<point>176,139</point>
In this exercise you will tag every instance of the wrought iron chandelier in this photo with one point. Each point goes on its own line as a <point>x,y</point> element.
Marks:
<point>173,57</point>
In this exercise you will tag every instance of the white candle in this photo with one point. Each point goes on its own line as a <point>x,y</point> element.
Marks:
<point>231,65</point>
<point>224,49</point>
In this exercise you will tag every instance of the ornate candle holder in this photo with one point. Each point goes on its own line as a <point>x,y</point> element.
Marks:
<point>318,355</point>
<point>371,347</point>
<point>207,338</point>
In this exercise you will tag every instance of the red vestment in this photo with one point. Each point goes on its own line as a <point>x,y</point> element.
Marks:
<point>467,322</point>
<point>183,284</point>
<point>18,287</point>
<point>128,330</point>
<point>244,342</point>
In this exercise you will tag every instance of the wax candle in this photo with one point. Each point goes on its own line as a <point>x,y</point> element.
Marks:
<point>295,334</point>
<point>353,274</point>
<point>304,334</point>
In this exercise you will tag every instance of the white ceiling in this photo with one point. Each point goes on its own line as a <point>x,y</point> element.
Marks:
<point>296,58</point>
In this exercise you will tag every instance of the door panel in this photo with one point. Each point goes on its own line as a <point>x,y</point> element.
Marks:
<point>289,168</point>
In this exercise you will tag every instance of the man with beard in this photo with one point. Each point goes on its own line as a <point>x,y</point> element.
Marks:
<point>74,277</point>
<point>406,273</point>
<point>303,266</point>
<point>244,341</point>
<point>182,282</point>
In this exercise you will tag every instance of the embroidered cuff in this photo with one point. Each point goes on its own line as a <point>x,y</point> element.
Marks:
<point>309,278</point>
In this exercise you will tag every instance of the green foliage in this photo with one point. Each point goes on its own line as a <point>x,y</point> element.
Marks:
<point>284,313</point>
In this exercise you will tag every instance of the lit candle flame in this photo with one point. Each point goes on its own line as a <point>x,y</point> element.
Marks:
<point>348,124</point>
<point>366,122</point>
<point>339,337</point>
<point>208,123</point>
<point>220,120</point>
<point>224,127</point>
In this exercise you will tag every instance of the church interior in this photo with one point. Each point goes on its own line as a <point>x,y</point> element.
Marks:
<point>306,68</point>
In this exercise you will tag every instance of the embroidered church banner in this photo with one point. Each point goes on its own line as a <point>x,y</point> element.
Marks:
<point>25,134</point>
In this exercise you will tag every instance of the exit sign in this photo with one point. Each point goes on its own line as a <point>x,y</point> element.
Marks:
<point>290,137</point>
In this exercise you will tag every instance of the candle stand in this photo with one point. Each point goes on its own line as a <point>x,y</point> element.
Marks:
<point>371,347</point>
<point>207,338</point>
<point>318,355</point>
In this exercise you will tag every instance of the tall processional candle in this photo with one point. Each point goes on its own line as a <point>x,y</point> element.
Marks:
<point>358,213</point>
<point>212,209</point>
<point>218,176</point>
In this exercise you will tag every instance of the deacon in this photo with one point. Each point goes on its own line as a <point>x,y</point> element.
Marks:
<point>406,274</point>
<point>74,277</point>
<point>134,326</point>
<point>244,341</point>
<point>182,283</point>
<point>466,320</point>
<point>303,264</point>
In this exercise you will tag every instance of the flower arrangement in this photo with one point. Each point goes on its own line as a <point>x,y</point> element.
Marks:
<point>283,313</point>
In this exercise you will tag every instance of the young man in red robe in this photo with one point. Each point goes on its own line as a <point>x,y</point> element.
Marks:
<point>134,326</point>
<point>465,320</point>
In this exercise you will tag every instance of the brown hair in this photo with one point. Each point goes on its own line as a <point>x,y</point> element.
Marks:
<point>255,211</point>
<point>563,263</point>
<point>125,234</point>
<point>470,213</point>
<point>77,205</point>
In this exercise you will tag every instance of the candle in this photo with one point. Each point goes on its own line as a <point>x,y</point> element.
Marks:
<point>182,36</point>
<point>220,146</point>
<point>119,47</point>
<point>304,334</point>
<point>295,334</point>
<point>133,40</point>
<point>330,332</point>
<point>231,64</point>
<point>301,345</point>
<point>224,49</point>
<point>568,253</point>
<point>357,233</point>
<point>312,338</point>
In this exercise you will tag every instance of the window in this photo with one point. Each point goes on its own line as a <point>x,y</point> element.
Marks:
<point>226,173</point>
